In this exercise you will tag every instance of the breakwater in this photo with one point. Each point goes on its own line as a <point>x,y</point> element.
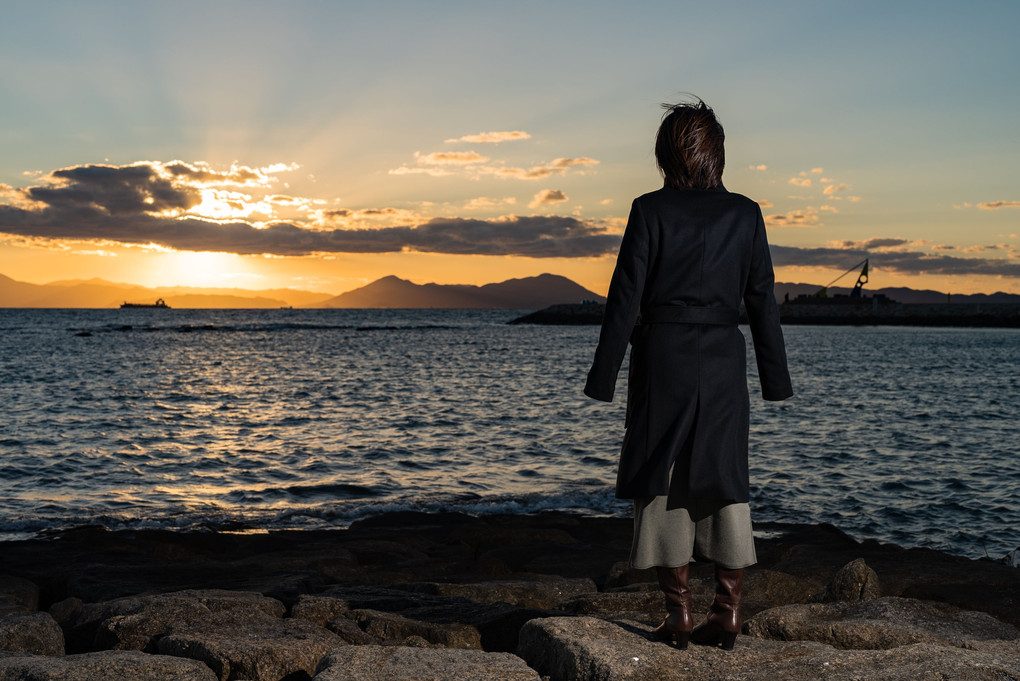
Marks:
<point>977,315</point>
<point>507,598</point>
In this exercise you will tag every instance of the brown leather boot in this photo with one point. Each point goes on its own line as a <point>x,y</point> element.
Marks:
<point>678,623</point>
<point>723,622</point>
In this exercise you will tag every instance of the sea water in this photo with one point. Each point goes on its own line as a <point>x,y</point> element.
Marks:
<point>234,419</point>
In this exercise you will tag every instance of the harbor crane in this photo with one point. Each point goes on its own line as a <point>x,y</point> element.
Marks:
<point>862,279</point>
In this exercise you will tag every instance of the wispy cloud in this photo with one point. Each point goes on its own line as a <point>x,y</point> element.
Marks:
<point>760,166</point>
<point>486,203</point>
<point>984,248</point>
<point>557,166</point>
<point>452,158</point>
<point>472,165</point>
<point>349,218</point>
<point>873,243</point>
<point>995,205</point>
<point>807,217</point>
<point>835,188</point>
<point>547,197</point>
<point>475,169</point>
<point>202,173</point>
<point>491,137</point>
<point>800,181</point>
<point>440,163</point>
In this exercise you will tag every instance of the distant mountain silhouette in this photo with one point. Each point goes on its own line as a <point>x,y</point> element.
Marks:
<point>98,293</point>
<point>529,292</point>
<point>388,292</point>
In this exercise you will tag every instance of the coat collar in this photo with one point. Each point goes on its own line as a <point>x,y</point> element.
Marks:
<point>718,188</point>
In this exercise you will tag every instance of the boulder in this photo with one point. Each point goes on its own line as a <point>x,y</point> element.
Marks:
<point>549,593</point>
<point>878,624</point>
<point>764,589</point>
<point>392,627</point>
<point>319,609</point>
<point>36,633</point>
<point>853,582</point>
<point>389,663</point>
<point>136,622</point>
<point>622,575</point>
<point>333,614</point>
<point>497,623</point>
<point>65,611</point>
<point>367,597</point>
<point>619,604</point>
<point>982,585</point>
<point>350,632</point>
<point>588,649</point>
<point>17,595</point>
<point>107,665</point>
<point>250,644</point>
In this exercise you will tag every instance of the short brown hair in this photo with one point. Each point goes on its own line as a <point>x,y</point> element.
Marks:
<point>689,146</point>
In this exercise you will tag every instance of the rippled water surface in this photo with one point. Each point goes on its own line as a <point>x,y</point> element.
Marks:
<point>313,418</point>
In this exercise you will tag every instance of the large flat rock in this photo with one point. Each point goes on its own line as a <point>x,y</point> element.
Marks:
<point>107,665</point>
<point>497,623</point>
<point>589,649</point>
<point>136,622</point>
<point>763,589</point>
<point>35,633</point>
<point>549,593</point>
<point>390,626</point>
<point>879,624</point>
<point>390,663</point>
<point>250,644</point>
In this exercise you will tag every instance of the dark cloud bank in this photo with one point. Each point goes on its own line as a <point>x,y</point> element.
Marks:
<point>122,204</point>
<point>905,262</point>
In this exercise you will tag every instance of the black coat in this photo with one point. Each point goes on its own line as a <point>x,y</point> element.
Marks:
<point>687,260</point>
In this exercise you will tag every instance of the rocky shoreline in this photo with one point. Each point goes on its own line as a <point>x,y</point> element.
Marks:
<point>450,596</point>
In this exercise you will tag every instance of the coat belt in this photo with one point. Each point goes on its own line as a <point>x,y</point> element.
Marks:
<point>690,314</point>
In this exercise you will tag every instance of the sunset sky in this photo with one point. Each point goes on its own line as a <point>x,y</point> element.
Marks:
<point>322,145</point>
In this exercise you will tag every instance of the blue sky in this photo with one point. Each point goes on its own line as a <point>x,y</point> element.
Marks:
<point>905,113</point>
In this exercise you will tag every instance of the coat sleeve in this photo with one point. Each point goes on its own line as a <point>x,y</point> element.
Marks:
<point>622,306</point>
<point>763,316</point>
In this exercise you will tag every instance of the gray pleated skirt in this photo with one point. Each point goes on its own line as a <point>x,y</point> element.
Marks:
<point>671,534</point>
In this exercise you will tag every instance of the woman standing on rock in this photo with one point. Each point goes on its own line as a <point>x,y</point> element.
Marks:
<point>692,251</point>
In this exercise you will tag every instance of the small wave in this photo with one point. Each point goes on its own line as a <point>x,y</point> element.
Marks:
<point>408,327</point>
<point>257,328</point>
<point>595,499</point>
<point>332,491</point>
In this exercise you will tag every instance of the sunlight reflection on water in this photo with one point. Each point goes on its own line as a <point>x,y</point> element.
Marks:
<point>312,418</point>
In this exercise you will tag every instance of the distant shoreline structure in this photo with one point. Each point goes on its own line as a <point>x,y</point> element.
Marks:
<point>159,304</point>
<point>869,312</point>
<point>526,293</point>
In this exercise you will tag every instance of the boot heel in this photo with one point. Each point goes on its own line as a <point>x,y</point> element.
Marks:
<point>728,639</point>
<point>682,639</point>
